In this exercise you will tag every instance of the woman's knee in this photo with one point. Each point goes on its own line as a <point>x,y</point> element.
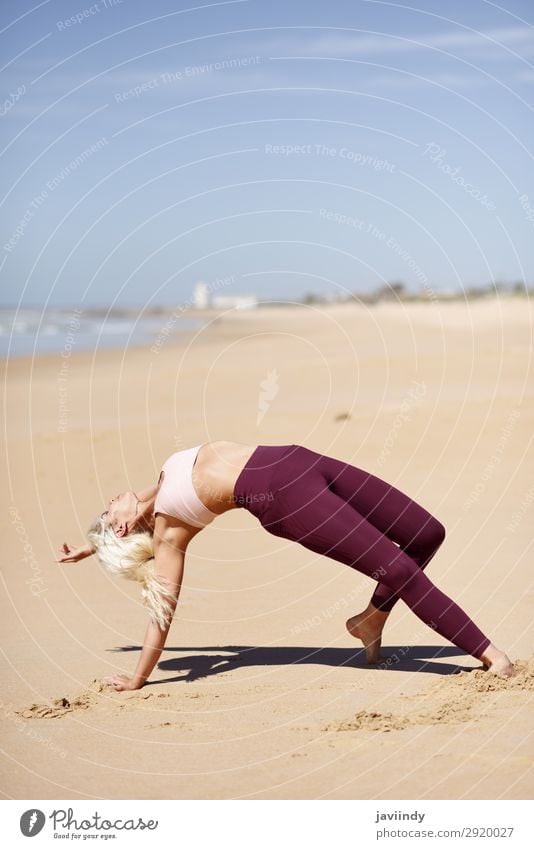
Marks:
<point>438,533</point>
<point>429,539</point>
<point>400,572</point>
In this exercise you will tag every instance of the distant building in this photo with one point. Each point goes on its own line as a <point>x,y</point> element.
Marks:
<point>239,302</point>
<point>201,298</point>
<point>392,291</point>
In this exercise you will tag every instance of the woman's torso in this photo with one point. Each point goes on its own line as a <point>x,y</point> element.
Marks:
<point>214,474</point>
<point>216,469</point>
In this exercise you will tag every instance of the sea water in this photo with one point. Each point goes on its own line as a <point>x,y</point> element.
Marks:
<point>31,332</point>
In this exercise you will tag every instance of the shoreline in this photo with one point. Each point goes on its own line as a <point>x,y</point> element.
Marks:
<point>210,317</point>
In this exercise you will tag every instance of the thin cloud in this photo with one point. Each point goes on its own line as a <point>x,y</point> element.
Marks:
<point>403,81</point>
<point>343,44</point>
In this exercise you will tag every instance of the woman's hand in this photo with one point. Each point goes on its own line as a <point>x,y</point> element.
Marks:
<point>122,682</point>
<point>72,555</point>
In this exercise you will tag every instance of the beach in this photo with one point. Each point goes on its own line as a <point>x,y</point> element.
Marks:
<point>261,693</point>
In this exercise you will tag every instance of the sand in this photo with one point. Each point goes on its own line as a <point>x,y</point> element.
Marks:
<point>448,702</point>
<point>261,692</point>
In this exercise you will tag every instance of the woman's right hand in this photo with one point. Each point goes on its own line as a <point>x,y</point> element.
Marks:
<point>72,555</point>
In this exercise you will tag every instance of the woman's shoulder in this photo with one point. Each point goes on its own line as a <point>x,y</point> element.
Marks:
<point>170,530</point>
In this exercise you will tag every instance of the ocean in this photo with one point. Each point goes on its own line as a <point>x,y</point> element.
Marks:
<point>31,332</point>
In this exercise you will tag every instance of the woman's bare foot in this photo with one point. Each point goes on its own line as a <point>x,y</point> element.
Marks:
<point>367,627</point>
<point>497,662</point>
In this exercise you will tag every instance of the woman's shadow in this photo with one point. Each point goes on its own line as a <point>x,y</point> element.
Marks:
<point>203,661</point>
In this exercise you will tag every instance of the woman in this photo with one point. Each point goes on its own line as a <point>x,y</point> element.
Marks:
<point>327,505</point>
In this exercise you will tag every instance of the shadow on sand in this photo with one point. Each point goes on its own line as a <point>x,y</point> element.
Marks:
<point>202,661</point>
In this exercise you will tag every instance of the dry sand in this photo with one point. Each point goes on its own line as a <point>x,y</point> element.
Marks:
<point>261,692</point>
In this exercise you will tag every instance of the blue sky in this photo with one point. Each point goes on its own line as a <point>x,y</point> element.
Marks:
<point>290,147</point>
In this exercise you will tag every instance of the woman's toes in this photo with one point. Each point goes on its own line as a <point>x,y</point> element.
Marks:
<point>504,669</point>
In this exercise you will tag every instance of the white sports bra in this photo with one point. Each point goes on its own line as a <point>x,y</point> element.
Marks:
<point>177,496</point>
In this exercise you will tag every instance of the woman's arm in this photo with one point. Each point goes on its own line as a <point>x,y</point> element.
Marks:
<point>169,568</point>
<point>154,642</point>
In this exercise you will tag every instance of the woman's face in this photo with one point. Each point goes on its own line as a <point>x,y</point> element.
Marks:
<point>120,512</point>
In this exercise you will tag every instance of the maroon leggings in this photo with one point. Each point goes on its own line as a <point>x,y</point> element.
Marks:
<point>340,511</point>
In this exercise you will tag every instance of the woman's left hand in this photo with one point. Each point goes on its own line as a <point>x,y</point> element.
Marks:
<point>73,555</point>
<point>121,682</point>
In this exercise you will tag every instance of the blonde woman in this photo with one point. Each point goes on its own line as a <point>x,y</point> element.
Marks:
<point>325,504</point>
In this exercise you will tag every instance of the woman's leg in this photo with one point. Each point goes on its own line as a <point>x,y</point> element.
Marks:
<point>401,519</point>
<point>308,511</point>
<point>397,516</point>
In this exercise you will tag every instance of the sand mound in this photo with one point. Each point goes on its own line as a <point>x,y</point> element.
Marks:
<point>90,697</point>
<point>480,681</point>
<point>371,721</point>
<point>456,698</point>
<point>59,707</point>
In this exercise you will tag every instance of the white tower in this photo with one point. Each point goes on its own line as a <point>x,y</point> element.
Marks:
<point>200,296</point>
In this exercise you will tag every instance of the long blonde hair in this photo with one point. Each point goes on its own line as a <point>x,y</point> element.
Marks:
<point>132,557</point>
